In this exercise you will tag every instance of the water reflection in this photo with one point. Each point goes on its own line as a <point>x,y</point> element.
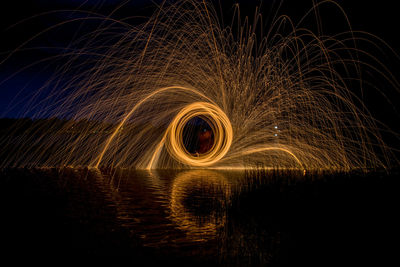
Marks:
<point>212,211</point>
<point>198,203</point>
<point>194,217</point>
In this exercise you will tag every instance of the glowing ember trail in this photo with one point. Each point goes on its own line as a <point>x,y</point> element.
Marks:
<point>283,99</point>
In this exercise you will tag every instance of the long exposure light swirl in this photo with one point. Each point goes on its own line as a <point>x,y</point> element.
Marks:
<point>220,125</point>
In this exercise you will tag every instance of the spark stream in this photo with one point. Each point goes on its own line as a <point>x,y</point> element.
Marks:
<point>280,100</point>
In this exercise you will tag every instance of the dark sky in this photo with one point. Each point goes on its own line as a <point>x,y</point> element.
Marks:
<point>377,17</point>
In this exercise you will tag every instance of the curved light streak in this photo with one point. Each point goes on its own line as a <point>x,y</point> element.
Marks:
<point>241,85</point>
<point>262,149</point>
<point>173,138</point>
<point>129,114</point>
<point>221,127</point>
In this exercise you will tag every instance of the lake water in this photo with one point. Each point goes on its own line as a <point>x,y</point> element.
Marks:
<point>198,217</point>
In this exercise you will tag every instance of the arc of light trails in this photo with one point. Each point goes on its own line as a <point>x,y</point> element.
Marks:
<point>162,142</point>
<point>247,152</point>
<point>111,138</point>
<point>157,150</point>
<point>222,128</point>
<point>261,149</point>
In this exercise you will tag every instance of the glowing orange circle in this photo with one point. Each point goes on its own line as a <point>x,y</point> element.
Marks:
<point>220,125</point>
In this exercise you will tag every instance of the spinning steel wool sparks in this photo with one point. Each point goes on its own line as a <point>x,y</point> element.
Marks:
<point>280,100</point>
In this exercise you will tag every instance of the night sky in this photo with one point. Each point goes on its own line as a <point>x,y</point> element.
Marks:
<point>378,17</point>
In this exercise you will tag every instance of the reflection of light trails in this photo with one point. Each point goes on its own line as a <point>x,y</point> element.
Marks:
<point>194,187</point>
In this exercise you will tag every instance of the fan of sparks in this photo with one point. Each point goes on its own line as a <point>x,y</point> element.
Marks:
<point>279,99</point>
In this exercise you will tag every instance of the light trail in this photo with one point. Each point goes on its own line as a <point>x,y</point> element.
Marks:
<point>286,99</point>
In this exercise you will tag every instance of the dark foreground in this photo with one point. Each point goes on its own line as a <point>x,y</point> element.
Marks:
<point>198,218</point>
